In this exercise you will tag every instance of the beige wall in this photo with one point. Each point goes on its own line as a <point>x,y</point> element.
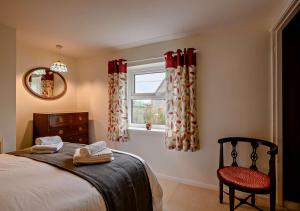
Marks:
<point>233,98</point>
<point>8,87</point>
<point>28,57</point>
<point>92,92</point>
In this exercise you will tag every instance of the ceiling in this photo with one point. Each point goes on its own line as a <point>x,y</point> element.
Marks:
<point>87,26</point>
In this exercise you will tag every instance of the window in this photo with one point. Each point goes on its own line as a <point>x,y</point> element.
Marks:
<point>146,95</point>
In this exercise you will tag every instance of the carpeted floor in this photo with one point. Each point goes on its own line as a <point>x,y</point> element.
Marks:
<point>181,197</point>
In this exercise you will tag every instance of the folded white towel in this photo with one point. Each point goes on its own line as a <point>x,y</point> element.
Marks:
<point>43,152</point>
<point>104,153</point>
<point>107,156</point>
<point>92,149</point>
<point>92,160</point>
<point>48,140</point>
<point>45,149</point>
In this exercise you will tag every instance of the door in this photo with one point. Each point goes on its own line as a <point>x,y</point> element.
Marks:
<point>291,110</point>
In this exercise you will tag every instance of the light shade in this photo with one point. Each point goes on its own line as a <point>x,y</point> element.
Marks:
<point>59,67</point>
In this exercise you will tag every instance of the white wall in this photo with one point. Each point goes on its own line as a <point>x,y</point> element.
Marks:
<point>233,97</point>
<point>8,87</point>
<point>29,57</point>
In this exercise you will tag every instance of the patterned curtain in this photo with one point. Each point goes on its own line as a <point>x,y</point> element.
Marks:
<point>117,86</point>
<point>47,84</point>
<point>182,128</point>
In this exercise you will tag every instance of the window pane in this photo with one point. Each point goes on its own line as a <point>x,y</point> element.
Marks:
<point>153,111</point>
<point>149,83</point>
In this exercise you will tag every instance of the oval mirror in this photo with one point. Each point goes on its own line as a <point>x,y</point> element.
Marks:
<point>45,84</point>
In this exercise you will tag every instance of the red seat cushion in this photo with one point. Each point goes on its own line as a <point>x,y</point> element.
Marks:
<point>245,178</point>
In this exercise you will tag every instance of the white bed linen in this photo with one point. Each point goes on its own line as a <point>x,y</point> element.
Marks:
<point>30,185</point>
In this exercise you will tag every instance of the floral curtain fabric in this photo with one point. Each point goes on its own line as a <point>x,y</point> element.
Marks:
<point>118,115</point>
<point>181,126</point>
<point>47,84</point>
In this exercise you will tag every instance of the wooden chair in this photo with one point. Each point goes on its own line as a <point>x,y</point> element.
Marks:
<point>248,180</point>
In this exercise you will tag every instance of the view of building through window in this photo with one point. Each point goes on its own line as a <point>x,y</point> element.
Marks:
<point>148,83</point>
<point>148,104</point>
<point>145,111</point>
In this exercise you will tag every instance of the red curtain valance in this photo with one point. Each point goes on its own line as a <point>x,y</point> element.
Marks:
<point>188,58</point>
<point>117,66</point>
<point>49,76</point>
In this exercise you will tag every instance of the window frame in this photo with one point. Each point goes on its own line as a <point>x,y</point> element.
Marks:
<point>151,68</point>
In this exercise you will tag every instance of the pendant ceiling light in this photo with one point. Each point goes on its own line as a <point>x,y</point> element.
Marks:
<point>59,66</point>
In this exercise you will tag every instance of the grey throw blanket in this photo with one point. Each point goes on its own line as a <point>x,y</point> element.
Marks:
<point>123,183</point>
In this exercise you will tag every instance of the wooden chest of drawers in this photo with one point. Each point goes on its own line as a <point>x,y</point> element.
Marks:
<point>71,127</point>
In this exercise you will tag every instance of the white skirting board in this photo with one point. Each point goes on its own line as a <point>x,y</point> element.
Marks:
<point>1,145</point>
<point>188,182</point>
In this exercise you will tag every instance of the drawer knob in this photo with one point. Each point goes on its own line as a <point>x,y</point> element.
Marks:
<point>61,132</point>
<point>80,128</point>
<point>60,119</point>
<point>80,118</point>
<point>80,140</point>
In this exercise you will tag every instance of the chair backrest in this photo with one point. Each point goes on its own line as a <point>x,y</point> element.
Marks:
<point>255,143</point>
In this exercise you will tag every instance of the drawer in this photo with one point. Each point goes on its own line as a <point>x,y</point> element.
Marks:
<point>83,139</point>
<point>67,139</point>
<point>60,131</point>
<point>80,129</point>
<point>60,120</point>
<point>80,118</point>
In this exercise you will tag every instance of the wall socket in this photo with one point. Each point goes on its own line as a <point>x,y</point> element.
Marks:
<point>1,145</point>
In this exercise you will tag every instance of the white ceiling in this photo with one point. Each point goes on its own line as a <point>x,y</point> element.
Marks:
<point>86,26</point>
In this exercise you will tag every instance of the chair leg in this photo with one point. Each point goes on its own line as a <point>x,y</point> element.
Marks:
<point>231,198</point>
<point>253,199</point>
<point>272,200</point>
<point>221,192</point>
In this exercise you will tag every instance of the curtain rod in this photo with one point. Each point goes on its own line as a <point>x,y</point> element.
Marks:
<point>150,59</point>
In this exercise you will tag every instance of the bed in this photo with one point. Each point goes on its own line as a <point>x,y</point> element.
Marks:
<point>28,184</point>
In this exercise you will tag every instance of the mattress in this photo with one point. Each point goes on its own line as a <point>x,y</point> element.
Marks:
<point>30,185</point>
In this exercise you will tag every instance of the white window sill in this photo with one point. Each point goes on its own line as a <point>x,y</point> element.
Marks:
<point>145,130</point>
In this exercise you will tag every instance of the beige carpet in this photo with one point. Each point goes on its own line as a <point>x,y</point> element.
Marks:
<point>181,197</point>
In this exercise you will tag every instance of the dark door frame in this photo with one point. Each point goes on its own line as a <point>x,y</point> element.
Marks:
<point>276,95</point>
